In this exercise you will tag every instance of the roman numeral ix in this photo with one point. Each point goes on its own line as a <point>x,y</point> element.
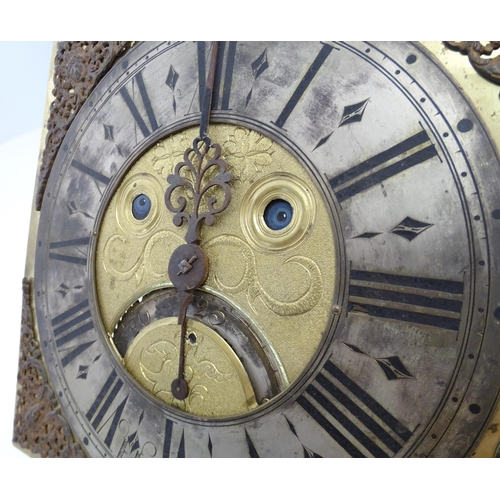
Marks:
<point>426,301</point>
<point>356,421</point>
<point>408,153</point>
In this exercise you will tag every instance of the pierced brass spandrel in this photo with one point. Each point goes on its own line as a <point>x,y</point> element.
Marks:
<point>287,289</point>
<point>218,383</point>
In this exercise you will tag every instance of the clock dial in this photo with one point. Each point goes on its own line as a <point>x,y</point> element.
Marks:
<point>349,308</point>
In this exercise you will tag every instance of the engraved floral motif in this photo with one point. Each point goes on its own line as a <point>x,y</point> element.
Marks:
<point>248,152</point>
<point>158,366</point>
<point>168,153</point>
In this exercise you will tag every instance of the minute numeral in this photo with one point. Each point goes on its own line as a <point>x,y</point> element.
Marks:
<point>303,85</point>
<point>77,242</point>
<point>426,301</point>
<point>102,404</point>
<point>382,166</point>
<point>355,420</point>
<point>146,105</point>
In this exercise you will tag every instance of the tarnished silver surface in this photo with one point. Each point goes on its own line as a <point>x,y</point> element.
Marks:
<point>411,366</point>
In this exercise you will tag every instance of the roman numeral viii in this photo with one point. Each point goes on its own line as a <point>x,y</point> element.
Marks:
<point>356,421</point>
<point>408,153</point>
<point>102,404</point>
<point>426,301</point>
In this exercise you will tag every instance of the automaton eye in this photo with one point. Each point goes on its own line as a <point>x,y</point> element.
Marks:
<point>278,214</point>
<point>141,206</point>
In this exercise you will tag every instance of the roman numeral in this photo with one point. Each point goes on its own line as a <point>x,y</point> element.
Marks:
<point>408,153</point>
<point>72,353</point>
<point>71,324</point>
<point>90,171</point>
<point>167,441</point>
<point>356,421</point>
<point>77,242</point>
<point>101,405</point>
<point>426,301</point>
<point>223,74</point>
<point>146,104</point>
<point>303,85</point>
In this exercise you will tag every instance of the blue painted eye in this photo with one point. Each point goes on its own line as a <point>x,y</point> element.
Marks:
<point>141,206</point>
<point>278,214</point>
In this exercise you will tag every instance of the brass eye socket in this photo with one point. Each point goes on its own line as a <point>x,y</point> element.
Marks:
<point>145,184</point>
<point>277,186</point>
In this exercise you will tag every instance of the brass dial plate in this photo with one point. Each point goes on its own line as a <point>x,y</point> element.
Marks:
<point>408,365</point>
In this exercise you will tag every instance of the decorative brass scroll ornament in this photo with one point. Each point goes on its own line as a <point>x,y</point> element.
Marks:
<point>489,68</point>
<point>38,423</point>
<point>78,67</point>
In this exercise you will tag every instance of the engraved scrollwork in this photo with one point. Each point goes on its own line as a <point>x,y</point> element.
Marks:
<point>78,67</point>
<point>39,425</point>
<point>199,161</point>
<point>487,67</point>
<point>116,250</point>
<point>250,282</point>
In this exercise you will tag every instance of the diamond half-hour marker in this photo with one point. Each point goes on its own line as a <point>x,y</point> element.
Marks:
<point>323,141</point>
<point>62,289</point>
<point>172,78</point>
<point>353,113</point>
<point>73,209</point>
<point>108,132</point>
<point>392,366</point>
<point>83,370</point>
<point>258,67</point>
<point>410,228</point>
<point>171,81</point>
<point>366,235</point>
<point>308,453</point>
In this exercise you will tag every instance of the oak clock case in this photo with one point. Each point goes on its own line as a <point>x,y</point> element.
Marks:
<point>365,328</point>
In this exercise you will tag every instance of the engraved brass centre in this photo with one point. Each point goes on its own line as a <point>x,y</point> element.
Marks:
<point>282,280</point>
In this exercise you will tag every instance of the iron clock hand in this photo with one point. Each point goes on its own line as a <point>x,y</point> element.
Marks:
<point>188,266</point>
